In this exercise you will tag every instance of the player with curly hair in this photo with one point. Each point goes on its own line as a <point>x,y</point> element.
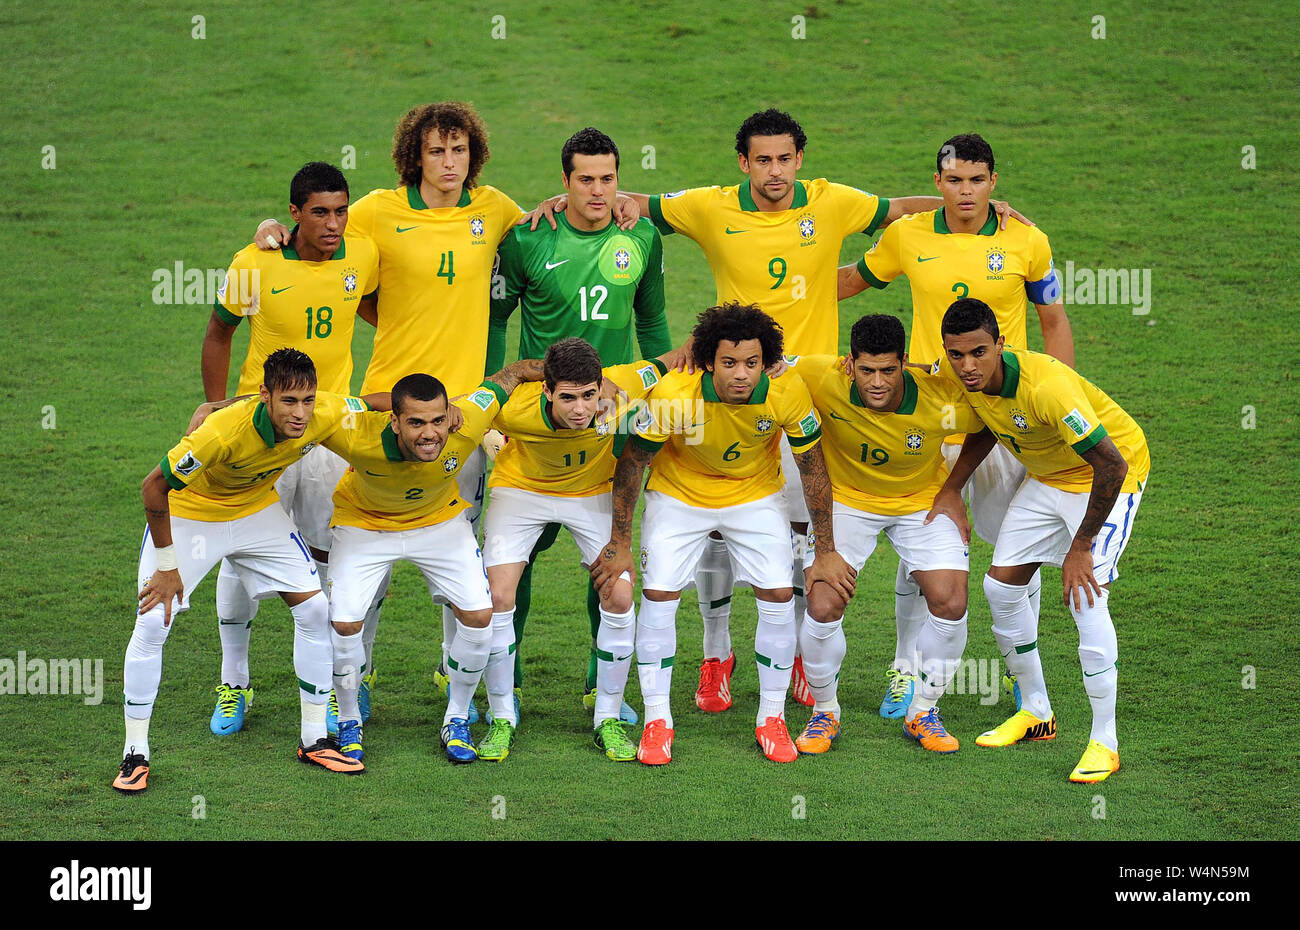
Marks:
<point>715,439</point>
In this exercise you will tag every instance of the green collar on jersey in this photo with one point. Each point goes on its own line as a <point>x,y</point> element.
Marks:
<point>989,228</point>
<point>711,393</point>
<point>392,451</point>
<point>1010,374</point>
<point>262,423</point>
<point>747,197</point>
<point>906,407</point>
<point>417,202</point>
<point>563,217</point>
<point>291,254</point>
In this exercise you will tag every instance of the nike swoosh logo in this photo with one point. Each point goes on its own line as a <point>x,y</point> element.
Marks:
<point>836,417</point>
<point>137,703</point>
<point>549,265</point>
<point>623,658</point>
<point>930,259</point>
<point>229,622</point>
<point>733,232</point>
<point>280,290</point>
<point>1093,771</point>
<point>245,465</point>
<point>375,473</point>
<point>401,229</point>
<point>1095,674</point>
<point>782,668</point>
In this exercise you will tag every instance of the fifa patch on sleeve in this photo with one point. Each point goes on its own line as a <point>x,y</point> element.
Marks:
<point>1077,424</point>
<point>483,399</point>
<point>809,423</point>
<point>188,465</point>
<point>673,194</point>
<point>644,421</point>
<point>221,288</point>
<point>649,376</point>
<point>355,404</point>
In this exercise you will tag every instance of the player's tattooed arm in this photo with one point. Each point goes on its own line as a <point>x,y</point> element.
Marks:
<point>1108,472</point>
<point>616,556</point>
<point>516,373</point>
<point>828,565</point>
<point>948,501</point>
<point>165,584</point>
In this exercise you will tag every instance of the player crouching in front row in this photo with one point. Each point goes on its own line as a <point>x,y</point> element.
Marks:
<point>714,437</point>
<point>220,481</point>
<point>399,501</point>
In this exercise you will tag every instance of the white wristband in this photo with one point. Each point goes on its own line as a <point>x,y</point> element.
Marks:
<point>167,559</point>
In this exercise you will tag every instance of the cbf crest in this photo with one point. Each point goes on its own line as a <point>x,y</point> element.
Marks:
<point>602,428</point>
<point>915,441</point>
<point>349,280</point>
<point>622,258</point>
<point>1019,419</point>
<point>807,227</point>
<point>763,425</point>
<point>997,260</point>
<point>476,226</point>
<point>450,464</point>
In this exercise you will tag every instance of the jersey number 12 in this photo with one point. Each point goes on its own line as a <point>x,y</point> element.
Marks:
<point>598,293</point>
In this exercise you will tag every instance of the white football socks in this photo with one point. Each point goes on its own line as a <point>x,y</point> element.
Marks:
<point>824,647</point>
<point>910,611</point>
<point>774,645</point>
<point>466,660</point>
<point>1098,654</point>
<point>656,649</point>
<point>235,613</point>
<point>137,736</point>
<point>714,580</point>
<point>349,668</point>
<point>1015,627</point>
<point>939,645</point>
<point>615,641</point>
<point>313,662</point>
<point>499,676</point>
<point>799,543</point>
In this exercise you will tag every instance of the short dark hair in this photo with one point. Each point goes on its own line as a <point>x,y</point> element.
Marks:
<point>571,359</point>
<point>589,141</point>
<point>315,177</point>
<point>735,322</point>
<point>416,387</point>
<point>969,146</point>
<point>443,118</point>
<point>288,368</point>
<point>877,334</point>
<point>770,122</point>
<point>966,315</point>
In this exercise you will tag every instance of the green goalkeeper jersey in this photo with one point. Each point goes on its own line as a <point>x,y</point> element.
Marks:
<point>598,285</point>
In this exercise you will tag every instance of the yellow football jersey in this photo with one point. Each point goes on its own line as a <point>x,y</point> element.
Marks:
<point>1005,268</point>
<point>227,468</point>
<point>383,491</point>
<point>783,261</point>
<point>1047,414</point>
<point>714,454</point>
<point>435,279</point>
<point>886,463</point>
<point>308,306</point>
<point>564,462</point>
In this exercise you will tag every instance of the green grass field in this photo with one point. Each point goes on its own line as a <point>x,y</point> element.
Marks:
<point>1127,150</point>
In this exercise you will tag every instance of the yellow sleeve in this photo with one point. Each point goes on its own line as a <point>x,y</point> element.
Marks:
<point>798,416</point>
<point>189,457</point>
<point>479,408</point>
<point>508,214</point>
<point>1042,284</point>
<point>883,262</point>
<point>237,294</point>
<point>859,212</point>
<point>636,379</point>
<point>1063,404</point>
<point>370,275</point>
<point>361,215</point>
<point>682,211</point>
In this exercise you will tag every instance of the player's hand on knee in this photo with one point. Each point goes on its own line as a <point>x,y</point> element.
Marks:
<point>1076,573</point>
<point>161,588</point>
<point>626,212</point>
<point>950,505</point>
<point>1003,210</point>
<point>837,574</point>
<point>613,561</point>
<point>546,209</point>
<point>271,234</point>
